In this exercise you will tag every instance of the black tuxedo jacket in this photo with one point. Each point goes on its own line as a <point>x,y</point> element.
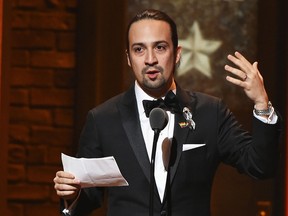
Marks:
<point>113,129</point>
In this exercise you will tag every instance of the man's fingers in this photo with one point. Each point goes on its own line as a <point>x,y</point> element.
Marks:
<point>63,180</point>
<point>243,60</point>
<point>66,187</point>
<point>64,193</point>
<point>67,191</point>
<point>239,60</point>
<point>236,72</point>
<point>235,81</point>
<point>63,174</point>
<point>66,178</point>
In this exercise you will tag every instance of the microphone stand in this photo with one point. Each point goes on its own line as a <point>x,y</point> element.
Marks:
<point>152,169</point>
<point>158,120</point>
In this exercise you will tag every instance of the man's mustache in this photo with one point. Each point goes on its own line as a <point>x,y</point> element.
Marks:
<point>149,68</point>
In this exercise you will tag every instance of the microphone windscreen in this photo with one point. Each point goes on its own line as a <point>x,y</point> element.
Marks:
<point>158,119</point>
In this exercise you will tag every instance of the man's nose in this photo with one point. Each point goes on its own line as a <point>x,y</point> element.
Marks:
<point>151,58</point>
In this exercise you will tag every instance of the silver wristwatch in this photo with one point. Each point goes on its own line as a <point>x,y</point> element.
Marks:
<point>266,112</point>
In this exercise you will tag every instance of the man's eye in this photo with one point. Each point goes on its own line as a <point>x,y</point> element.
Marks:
<point>160,48</point>
<point>138,49</point>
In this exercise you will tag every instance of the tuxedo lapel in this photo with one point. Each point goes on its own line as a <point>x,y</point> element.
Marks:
<point>131,123</point>
<point>180,134</point>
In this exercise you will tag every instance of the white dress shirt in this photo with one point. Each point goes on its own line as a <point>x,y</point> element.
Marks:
<point>148,134</point>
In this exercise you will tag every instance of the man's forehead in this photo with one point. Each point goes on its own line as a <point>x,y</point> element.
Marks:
<point>149,30</point>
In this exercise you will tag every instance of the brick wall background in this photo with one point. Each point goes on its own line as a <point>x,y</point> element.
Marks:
<point>42,95</point>
<point>42,102</point>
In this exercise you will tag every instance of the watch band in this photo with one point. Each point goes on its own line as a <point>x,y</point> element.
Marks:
<point>266,112</point>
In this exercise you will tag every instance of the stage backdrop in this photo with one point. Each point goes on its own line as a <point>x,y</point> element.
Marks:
<point>208,31</point>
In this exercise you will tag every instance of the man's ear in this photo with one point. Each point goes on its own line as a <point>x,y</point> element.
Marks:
<point>128,58</point>
<point>178,55</point>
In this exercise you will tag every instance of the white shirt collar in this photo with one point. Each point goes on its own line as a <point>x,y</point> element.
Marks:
<point>140,96</point>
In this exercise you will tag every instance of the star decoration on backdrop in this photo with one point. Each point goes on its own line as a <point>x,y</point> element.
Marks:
<point>196,51</point>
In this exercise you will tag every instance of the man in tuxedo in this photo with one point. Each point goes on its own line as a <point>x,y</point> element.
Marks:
<point>201,130</point>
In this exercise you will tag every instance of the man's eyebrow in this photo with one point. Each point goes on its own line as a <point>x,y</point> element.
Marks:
<point>137,44</point>
<point>154,43</point>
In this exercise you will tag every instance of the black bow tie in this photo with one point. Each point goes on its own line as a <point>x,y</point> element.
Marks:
<point>170,103</point>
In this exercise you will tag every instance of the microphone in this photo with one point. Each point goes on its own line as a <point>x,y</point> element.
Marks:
<point>158,119</point>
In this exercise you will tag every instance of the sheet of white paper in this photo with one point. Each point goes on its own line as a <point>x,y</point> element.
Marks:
<point>92,172</point>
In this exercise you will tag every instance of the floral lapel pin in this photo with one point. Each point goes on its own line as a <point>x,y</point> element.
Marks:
<point>188,117</point>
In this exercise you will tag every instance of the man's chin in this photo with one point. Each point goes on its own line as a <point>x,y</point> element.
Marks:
<point>154,86</point>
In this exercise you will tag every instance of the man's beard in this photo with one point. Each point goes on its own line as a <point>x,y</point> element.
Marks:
<point>158,83</point>
<point>149,84</point>
<point>153,84</point>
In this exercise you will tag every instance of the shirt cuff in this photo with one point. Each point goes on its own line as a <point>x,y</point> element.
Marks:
<point>272,118</point>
